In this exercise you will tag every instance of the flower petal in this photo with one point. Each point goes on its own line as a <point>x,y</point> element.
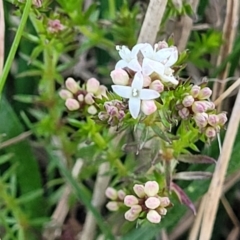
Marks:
<point>149,66</point>
<point>147,51</point>
<point>163,54</point>
<point>134,65</point>
<point>173,57</point>
<point>166,78</point>
<point>134,107</point>
<point>121,64</point>
<point>136,49</point>
<point>124,53</point>
<point>123,91</point>
<point>137,81</point>
<point>148,94</point>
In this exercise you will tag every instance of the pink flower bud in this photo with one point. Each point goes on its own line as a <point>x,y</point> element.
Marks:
<point>55,26</point>
<point>139,190</point>
<point>222,118</point>
<point>121,115</point>
<point>201,119</point>
<point>165,201</point>
<point>210,105</point>
<point>205,93</point>
<point>162,211</point>
<point>65,94</point>
<point>130,200</point>
<point>112,206</point>
<point>151,188</point>
<point>72,85</point>
<point>111,193</point>
<point>148,107</point>
<point>119,77</point>
<point>80,97</point>
<point>130,216</point>
<point>213,120</point>
<point>136,209</point>
<point>153,216</point>
<point>188,101</point>
<point>102,92</point>
<point>199,107</point>
<point>93,85</point>
<point>92,110</point>
<point>161,45</point>
<point>121,194</point>
<point>146,81</point>
<point>183,113</point>
<point>152,202</point>
<point>157,86</point>
<point>103,116</point>
<point>195,91</point>
<point>210,132</point>
<point>72,104</point>
<point>89,99</point>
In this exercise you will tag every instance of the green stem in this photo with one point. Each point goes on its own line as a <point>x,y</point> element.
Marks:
<point>15,45</point>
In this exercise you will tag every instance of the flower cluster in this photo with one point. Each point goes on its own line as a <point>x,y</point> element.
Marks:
<point>196,104</point>
<point>145,203</point>
<point>141,74</point>
<point>79,98</point>
<point>117,198</point>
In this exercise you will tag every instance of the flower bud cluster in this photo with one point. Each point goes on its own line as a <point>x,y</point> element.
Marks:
<point>79,98</point>
<point>144,203</point>
<point>196,104</point>
<point>116,197</point>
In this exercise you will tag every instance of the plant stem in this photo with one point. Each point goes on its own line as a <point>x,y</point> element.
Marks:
<point>15,45</point>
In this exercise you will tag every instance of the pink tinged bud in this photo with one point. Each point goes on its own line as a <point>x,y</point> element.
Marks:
<point>210,132</point>
<point>92,110</point>
<point>162,211</point>
<point>72,104</point>
<point>80,97</point>
<point>55,26</point>
<point>93,85</point>
<point>199,107</point>
<point>222,118</point>
<point>121,194</point>
<point>130,200</point>
<point>130,216</point>
<point>188,101</point>
<point>103,116</point>
<point>146,81</point>
<point>201,119</point>
<point>148,107</point>
<point>121,115</point>
<point>183,113</point>
<point>111,193</point>
<point>119,77</point>
<point>165,201</point>
<point>65,94</point>
<point>205,93</point>
<point>139,190</point>
<point>112,206</point>
<point>152,202</point>
<point>153,216</point>
<point>102,92</point>
<point>213,120</point>
<point>136,209</point>
<point>210,105</point>
<point>157,86</point>
<point>161,45</point>
<point>72,85</point>
<point>89,99</point>
<point>195,91</point>
<point>151,188</point>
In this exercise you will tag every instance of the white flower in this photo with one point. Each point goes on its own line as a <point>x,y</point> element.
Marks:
<point>135,94</point>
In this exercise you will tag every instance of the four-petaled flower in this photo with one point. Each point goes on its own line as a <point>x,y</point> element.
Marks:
<point>135,94</point>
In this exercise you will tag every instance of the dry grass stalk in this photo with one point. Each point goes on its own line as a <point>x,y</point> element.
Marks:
<point>152,21</point>
<point>2,34</point>
<point>234,234</point>
<point>214,192</point>
<point>229,33</point>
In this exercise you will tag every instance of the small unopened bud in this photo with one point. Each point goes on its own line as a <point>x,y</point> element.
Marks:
<point>148,107</point>
<point>151,188</point>
<point>112,110</point>
<point>157,86</point>
<point>195,91</point>
<point>65,94</point>
<point>188,101</point>
<point>80,97</point>
<point>72,104</point>
<point>121,194</point>
<point>201,119</point>
<point>153,216</point>
<point>210,132</point>
<point>205,93</point>
<point>130,200</point>
<point>92,110</point>
<point>112,206</point>
<point>213,120</point>
<point>210,105</point>
<point>72,85</point>
<point>55,26</point>
<point>119,77</point>
<point>136,209</point>
<point>162,211</point>
<point>146,81</point>
<point>222,118</point>
<point>152,202</point>
<point>121,115</point>
<point>183,113</point>
<point>93,85</point>
<point>102,92</point>
<point>103,116</point>
<point>89,99</point>
<point>139,190</point>
<point>130,216</point>
<point>165,201</point>
<point>199,107</point>
<point>161,45</point>
<point>111,193</point>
